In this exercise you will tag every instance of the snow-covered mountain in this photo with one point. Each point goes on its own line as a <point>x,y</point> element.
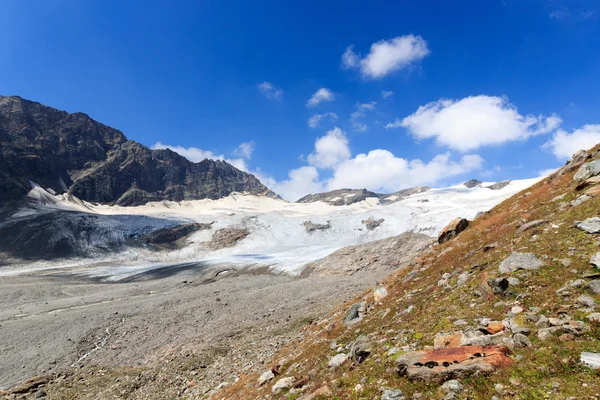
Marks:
<point>114,242</point>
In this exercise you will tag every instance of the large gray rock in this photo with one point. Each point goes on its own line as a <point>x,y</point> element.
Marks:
<point>590,225</point>
<point>588,170</point>
<point>453,229</point>
<point>595,260</point>
<point>518,261</point>
<point>499,185</point>
<point>471,183</point>
<point>594,286</point>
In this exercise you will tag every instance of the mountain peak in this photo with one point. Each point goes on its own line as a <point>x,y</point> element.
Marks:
<point>76,154</point>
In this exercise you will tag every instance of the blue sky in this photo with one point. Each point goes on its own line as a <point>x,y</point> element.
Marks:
<point>490,90</point>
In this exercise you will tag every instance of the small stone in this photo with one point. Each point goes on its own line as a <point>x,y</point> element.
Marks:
<point>452,386</point>
<point>513,281</point>
<point>282,384</point>
<point>587,170</point>
<point>566,262</point>
<point>337,360</point>
<point>392,351</point>
<point>266,377</point>
<point>594,286</point>
<point>392,394</point>
<point>460,322</point>
<point>516,310</point>
<point>586,301</point>
<point>499,387</point>
<point>521,340</point>
<point>590,225</point>
<point>515,381</point>
<point>594,317</point>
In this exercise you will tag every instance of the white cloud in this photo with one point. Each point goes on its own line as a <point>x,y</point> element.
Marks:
<point>330,149</point>
<point>386,94</point>
<point>563,144</point>
<point>301,181</point>
<point>361,109</point>
<point>380,170</point>
<point>315,120</point>
<point>244,150</point>
<point>270,91</point>
<point>320,96</point>
<point>195,154</point>
<point>386,56</point>
<point>474,122</point>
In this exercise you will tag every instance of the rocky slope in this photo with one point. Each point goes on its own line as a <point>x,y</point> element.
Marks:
<point>506,309</point>
<point>73,153</point>
<point>344,197</point>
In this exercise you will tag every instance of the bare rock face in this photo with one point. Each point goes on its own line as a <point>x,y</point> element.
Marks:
<point>471,183</point>
<point>227,237</point>
<point>73,153</point>
<point>372,223</point>
<point>340,197</point>
<point>499,185</point>
<point>171,238</point>
<point>452,362</point>
<point>344,197</point>
<point>311,227</point>
<point>380,255</point>
<point>452,230</point>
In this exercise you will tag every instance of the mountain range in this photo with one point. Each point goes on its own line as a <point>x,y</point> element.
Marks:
<point>72,153</point>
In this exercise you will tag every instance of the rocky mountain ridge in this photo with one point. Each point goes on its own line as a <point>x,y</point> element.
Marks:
<point>73,153</point>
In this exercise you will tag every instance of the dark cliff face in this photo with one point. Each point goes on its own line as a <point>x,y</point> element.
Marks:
<point>73,153</point>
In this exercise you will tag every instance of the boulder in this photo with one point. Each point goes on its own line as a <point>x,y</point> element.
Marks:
<point>451,230</point>
<point>380,293</point>
<point>498,285</point>
<point>471,183</point>
<point>282,384</point>
<point>361,349</point>
<point>372,223</point>
<point>392,394</point>
<point>337,360</point>
<point>311,227</point>
<point>499,185</point>
<point>594,286</point>
<point>518,261</point>
<point>531,225</point>
<point>266,377</point>
<point>587,170</point>
<point>590,225</point>
<point>595,260</point>
<point>452,362</point>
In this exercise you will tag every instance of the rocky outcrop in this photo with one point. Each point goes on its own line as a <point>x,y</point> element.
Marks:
<point>499,185</point>
<point>344,197</point>
<point>340,197</point>
<point>372,223</point>
<point>171,238</point>
<point>73,153</point>
<point>380,255</point>
<point>451,230</point>
<point>471,183</point>
<point>312,227</point>
<point>227,237</point>
<point>452,362</point>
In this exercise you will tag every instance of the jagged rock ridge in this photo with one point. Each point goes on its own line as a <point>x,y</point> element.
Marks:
<point>73,153</point>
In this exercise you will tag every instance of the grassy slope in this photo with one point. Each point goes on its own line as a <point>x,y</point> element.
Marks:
<point>548,369</point>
